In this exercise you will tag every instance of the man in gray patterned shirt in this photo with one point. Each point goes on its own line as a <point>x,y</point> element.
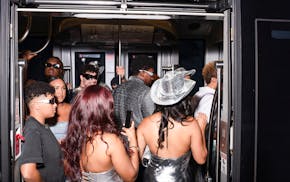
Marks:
<point>134,95</point>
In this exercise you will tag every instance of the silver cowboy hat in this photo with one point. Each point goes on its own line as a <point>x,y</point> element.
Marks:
<point>171,88</point>
<point>185,72</point>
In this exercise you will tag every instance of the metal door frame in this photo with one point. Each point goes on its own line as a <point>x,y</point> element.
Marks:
<point>5,69</point>
<point>4,91</point>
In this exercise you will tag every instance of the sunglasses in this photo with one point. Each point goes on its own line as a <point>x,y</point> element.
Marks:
<point>50,101</point>
<point>56,66</point>
<point>90,77</point>
<point>148,72</point>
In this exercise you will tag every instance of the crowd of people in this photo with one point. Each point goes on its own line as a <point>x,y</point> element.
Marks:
<point>84,138</point>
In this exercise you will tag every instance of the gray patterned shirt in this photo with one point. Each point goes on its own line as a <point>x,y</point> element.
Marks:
<point>133,95</point>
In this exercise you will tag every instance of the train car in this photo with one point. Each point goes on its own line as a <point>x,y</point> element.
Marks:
<point>189,33</point>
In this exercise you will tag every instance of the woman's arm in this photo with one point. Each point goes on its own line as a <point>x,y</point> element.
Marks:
<point>198,144</point>
<point>126,166</point>
<point>133,145</point>
<point>141,140</point>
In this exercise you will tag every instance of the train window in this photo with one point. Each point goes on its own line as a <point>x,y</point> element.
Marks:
<point>280,34</point>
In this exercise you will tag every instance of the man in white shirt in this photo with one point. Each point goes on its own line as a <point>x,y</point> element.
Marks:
<point>202,101</point>
<point>206,93</point>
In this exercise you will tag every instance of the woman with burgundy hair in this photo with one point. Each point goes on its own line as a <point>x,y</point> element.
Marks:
<point>93,148</point>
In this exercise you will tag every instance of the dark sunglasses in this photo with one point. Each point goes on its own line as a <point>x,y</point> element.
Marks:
<point>90,77</point>
<point>50,101</point>
<point>56,66</point>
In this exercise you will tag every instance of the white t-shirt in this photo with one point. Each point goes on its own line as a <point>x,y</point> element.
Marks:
<point>206,94</point>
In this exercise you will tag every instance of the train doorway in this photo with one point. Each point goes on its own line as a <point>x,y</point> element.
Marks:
<point>115,34</point>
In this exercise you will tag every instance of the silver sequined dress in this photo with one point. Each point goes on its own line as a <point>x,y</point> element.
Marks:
<point>168,170</point>
<point>107,176</point>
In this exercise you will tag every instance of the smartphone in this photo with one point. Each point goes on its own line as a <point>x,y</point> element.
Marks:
<point>128,121</point>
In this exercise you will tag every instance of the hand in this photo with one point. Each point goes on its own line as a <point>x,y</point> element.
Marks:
<point>29,55</point>
<point>69,86</point>
<point>120,71</point>
<point>130,132</point>
<point>202,121</point>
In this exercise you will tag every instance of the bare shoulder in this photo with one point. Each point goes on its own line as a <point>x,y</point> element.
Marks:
<point>191,122</point>
<point>112,140</point>
<point>110,137</point>
<point>149,121</point>
<point>66,106</point>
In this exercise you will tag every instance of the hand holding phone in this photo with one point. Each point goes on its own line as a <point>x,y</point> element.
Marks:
<point>128,121</point>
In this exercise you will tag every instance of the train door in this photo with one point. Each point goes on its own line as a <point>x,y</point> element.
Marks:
<point>12,106</point>
<point>5,109</point>
<point>61,9</point>
<point>272,43</point>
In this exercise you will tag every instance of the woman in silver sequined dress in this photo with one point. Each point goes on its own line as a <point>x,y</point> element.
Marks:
<point>174,134</point>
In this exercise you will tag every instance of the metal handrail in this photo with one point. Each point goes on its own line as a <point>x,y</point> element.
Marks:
<point>48,38</point>
<point>27,29</point>
<point>21,65</point>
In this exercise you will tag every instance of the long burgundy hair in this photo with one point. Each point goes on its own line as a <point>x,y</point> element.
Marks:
<point>91,114</point>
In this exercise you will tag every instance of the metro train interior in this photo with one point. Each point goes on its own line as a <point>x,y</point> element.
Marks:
<point>120,33</point>
<point>250,39</point>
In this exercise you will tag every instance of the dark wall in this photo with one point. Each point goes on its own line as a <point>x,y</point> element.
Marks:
<point>272,128</point>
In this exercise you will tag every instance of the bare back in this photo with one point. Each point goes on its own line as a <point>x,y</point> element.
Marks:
<point>103,155</point>
<point>94,157</point>
<point>181,137</point>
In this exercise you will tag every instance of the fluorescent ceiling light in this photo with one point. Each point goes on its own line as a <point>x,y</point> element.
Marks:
<point>121,16</point>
